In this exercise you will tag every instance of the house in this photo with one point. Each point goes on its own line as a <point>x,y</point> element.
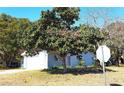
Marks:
<point>43,60</point>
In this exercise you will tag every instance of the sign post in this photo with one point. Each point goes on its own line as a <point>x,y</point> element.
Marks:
<point>103,64</point>
<point>103,54</point>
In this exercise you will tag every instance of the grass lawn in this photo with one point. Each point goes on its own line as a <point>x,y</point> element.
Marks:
<point>48,78</point>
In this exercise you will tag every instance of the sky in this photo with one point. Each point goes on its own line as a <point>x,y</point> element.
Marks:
<point>33,13</point>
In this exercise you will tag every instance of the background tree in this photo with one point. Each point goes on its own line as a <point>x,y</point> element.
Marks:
<point>116,40</point>
<point>9,36</point>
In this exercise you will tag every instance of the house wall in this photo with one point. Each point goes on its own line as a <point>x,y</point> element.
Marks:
<point>39,61</point>
<point>53,62</point>
<point>74,61</point>
<point>88,58</point>
<point>45,61</point>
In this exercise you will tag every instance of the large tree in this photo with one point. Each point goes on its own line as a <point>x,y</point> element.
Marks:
<point>63,42</point>
<point>53,32</point>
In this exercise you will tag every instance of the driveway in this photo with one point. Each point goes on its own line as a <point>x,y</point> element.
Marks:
<point>11,71</point>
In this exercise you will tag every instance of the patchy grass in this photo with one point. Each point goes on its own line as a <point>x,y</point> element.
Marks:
<point>86,77</point>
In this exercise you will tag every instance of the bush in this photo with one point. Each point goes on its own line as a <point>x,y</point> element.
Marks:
<point>81,63</point>
<point>97,64</point>
<point>54,68</point>
<point>2,67</point>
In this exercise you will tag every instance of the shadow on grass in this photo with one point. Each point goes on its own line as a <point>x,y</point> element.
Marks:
<point>114,84</point>
<point>78,71</point>
<point>110,70</point>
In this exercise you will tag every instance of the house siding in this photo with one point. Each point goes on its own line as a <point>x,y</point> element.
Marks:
<point>45,61</point>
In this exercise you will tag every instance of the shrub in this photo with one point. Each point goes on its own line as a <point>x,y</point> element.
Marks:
<point>3,67</point>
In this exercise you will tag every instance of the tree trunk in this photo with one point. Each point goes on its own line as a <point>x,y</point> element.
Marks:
<point>64,65</point>
<point>117,61</point>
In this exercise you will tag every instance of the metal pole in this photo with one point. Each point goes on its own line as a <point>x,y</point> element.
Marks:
<point>104,72</point>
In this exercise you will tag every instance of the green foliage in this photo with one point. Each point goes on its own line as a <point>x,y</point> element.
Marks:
<point>81,63</point>
<point>10,36</point>
<point>59,17</point>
